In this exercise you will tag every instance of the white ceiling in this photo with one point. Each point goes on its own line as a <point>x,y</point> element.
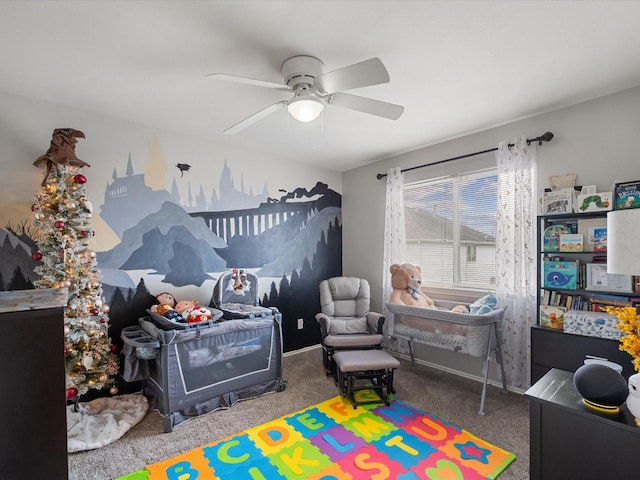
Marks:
<point>457,67</point>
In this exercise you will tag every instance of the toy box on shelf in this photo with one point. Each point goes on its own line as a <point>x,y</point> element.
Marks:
<point>559,201</point>
<point>590,200</point>
<point>591,324</point>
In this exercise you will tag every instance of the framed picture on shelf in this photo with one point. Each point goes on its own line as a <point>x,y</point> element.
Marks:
<point>627,195</point>
<point>599,279</point>
<point>594,231</point>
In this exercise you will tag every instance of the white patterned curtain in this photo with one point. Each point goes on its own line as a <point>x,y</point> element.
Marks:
<point>516,267</point>
<point>394,230</point>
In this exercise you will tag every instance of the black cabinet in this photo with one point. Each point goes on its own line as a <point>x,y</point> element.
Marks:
<point>554,349</point>
<point>571,440</point>
<point>33,444</point>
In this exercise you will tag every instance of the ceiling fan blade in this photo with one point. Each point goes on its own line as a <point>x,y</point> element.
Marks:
<point>366,105</point>
<point>246,81</point>
<point>363,74</point>
<point>241,125</point>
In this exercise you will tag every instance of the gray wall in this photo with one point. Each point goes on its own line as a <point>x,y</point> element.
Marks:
<point>595,139</point>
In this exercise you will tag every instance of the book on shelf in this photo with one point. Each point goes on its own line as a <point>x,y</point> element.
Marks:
<point>597,278</point>
<point>609,302</point>
<point>552,316</point>
<point>627,195</point>
<point>571,242</point>
<point>562,275</point>
<point>551,235</point>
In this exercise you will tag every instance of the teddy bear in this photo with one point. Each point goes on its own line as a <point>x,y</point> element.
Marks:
<point>559,182</point>
<point>406,280</point>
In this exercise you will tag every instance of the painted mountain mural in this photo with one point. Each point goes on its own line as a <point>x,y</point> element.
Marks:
<point>168,242</point>
<point>295,238</point>
<point>16,264</point>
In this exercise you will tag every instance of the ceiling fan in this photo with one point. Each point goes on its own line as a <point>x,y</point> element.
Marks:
<point>313,88</point>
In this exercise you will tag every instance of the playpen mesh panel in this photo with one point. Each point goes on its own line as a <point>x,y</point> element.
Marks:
<point>231,355</point>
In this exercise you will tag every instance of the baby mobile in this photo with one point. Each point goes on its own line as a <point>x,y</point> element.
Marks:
<point>63,216</point>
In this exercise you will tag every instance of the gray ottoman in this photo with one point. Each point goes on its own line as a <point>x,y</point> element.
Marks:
<point>374,367</point>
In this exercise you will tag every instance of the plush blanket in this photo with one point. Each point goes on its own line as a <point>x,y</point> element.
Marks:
<point>102,421</point>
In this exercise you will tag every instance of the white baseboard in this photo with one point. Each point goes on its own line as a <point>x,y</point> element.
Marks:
<point>477,378</point>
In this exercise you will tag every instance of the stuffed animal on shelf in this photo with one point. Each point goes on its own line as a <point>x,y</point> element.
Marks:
<point>560,182</point>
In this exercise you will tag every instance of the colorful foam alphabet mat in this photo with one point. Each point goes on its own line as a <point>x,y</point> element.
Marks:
<point>334,441</point>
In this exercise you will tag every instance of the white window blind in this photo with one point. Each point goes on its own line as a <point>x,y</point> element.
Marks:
<point>450,229</point>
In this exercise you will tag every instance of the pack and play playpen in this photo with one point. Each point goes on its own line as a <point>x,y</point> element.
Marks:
<point>196,369</point>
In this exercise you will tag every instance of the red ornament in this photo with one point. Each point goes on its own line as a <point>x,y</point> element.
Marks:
<point>94,311</point>
<point>34,207</point>
<point>37,256</point>
<point>83,233</point>
<point>114,349</point>
<point>103,320</point>
<point>71,393</point>
<point>59,224</point>
<point>79,178</point>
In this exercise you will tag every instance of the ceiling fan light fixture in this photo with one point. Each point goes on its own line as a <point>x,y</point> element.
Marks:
<point>305,107</point>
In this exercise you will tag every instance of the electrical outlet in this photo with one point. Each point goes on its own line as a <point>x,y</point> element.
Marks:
<point>300,323</point>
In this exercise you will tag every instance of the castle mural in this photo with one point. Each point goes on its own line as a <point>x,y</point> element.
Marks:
<point>165,240</point>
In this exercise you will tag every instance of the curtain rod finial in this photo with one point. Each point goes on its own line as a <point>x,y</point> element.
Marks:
<point>546,137</point>
<point>380,176</point>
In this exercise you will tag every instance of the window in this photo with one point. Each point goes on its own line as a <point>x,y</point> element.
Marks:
<point>451,227</point>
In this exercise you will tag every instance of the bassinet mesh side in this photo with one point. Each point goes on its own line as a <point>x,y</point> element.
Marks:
<point>478,331</point>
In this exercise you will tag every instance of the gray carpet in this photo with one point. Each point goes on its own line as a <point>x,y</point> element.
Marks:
<point>448,397</point>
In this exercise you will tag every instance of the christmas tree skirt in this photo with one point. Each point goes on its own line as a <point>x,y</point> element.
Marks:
<point>103,421</point>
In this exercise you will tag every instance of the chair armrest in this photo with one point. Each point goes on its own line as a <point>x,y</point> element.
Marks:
<point>323,320</point>
<point>375,322</point>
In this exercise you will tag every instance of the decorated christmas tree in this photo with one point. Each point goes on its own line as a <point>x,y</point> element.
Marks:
<point>62,214</point>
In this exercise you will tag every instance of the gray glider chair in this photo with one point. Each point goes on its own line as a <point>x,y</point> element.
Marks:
<point>345,321</point>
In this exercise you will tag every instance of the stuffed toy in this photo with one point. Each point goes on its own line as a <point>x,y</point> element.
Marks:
<point>238,282</point>
<point>166,297</point>
<point>192,312</point>
<point>559,182</point>
<point>183,305</point>
<point>406,280</point>
<point>161,308</point>
<point>198,314</point>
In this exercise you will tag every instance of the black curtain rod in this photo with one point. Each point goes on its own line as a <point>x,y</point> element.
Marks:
<point>546,137</point>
